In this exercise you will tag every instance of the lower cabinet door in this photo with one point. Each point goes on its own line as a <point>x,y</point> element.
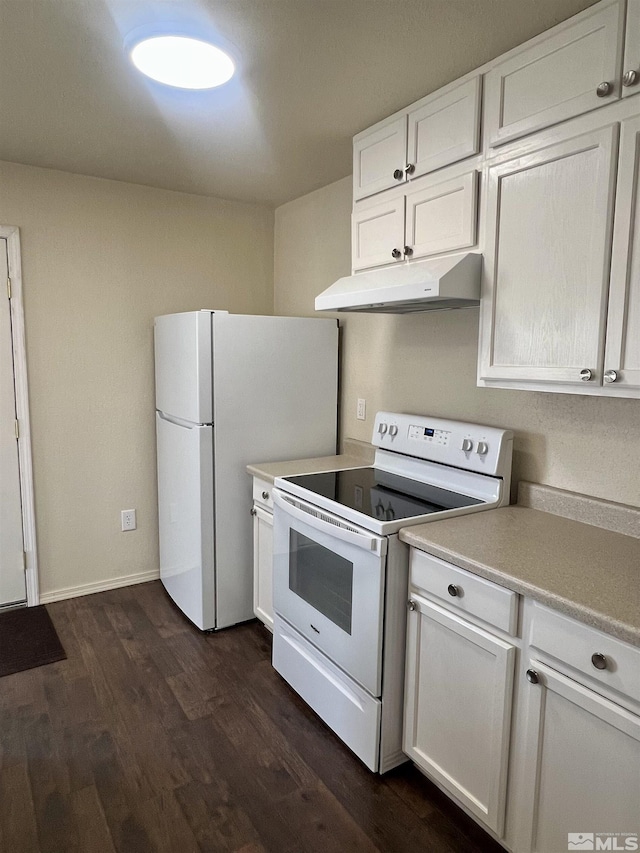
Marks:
<point>459,681</point>
<point>581,769</point>
<point>263,566</point>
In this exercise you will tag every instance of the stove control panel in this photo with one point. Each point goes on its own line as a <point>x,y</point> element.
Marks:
<point>472,447</point>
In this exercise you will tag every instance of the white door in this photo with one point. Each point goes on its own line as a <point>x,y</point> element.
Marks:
<point>441,216</point>
<point>547,258</point>
<point>12,578</point>
<point>379,157</point>
<point>328,582</point>
<point>557,77</point>
<point>622,354</point>
<point>185,518</point>
<point>458,708</point>
<point>377,233</point>
<point>582,765</point>
<point>630,80</point>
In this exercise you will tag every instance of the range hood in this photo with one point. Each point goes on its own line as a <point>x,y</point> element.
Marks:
<point>451,282</point>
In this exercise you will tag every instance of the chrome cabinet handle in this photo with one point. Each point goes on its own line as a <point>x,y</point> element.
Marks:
<point>599,660</point>
<point>265,496</point>
<point>253,511</point>
<point>610,375</point>
<point>532,676</point>
<point>586,374</point>
<point>408,251</point>
<point>630,78</point>
<point>605,88</point>
<point>396,253</point>
<point>398,174</point>
<point>453,590</point>
<point>412,605</point>
<point>409,169</point>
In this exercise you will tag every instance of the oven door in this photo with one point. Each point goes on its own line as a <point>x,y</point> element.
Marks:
<point>328,583</point>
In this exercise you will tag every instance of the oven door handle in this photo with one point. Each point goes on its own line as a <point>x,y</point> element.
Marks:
<point>333,526</point>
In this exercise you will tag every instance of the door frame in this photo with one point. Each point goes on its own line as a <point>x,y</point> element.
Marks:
<point>11,234</point>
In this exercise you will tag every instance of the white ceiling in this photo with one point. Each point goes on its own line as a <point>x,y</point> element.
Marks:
<point>312,73</point>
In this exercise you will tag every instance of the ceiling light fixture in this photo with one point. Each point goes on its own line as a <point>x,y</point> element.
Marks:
<point>182,61</point>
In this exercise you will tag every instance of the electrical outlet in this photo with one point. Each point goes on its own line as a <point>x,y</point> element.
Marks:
<point>361,411</point>
<point>128,519</point>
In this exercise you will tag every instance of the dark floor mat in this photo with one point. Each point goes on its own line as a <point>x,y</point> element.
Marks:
<point>27,639</point>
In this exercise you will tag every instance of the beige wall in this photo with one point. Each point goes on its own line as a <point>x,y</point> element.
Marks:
<point>100,260</point>
<point>426,363</point>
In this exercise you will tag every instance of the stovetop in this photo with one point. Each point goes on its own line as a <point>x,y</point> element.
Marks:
<point>381,495</point>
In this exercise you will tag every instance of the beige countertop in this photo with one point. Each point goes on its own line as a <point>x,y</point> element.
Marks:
<point>582,570</point>
<point>358,455</point>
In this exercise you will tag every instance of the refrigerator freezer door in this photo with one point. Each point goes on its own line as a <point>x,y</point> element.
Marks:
<point>275,388</point>
<point>185,509</point>
<point>183,366</point>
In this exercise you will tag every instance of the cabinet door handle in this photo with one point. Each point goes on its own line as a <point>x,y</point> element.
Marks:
<point>253,511</point>
<point>411,604</point>
<point>630,77</point>
<point>610,375</point>
<point>265,496</point>
<point>532,676</point>
<point>409,169</point>
<point>396,253</point>
<point>453,590</point>
<point>398,174</point>
<point>599,660</point>
<point>605,88</point>
<point>586,375</point>
<point>408,251</point>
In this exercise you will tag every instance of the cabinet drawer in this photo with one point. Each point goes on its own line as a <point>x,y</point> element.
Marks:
<point>575,644</point>
<point>555,77</point>
<point>465,592</point>
<point>262,493</point>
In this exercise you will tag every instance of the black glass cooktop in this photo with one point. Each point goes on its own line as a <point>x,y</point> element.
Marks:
<point>380,495</point>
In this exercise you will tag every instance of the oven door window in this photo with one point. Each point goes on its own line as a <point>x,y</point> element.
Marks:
<point>322,578</point>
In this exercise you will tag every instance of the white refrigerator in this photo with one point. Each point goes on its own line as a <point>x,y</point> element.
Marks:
<point>231,389</point>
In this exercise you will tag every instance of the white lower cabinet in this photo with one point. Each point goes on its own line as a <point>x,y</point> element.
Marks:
<point>458,708</point>
<point>581,765</point>
<point>548,764</point>
<point>262,512</point>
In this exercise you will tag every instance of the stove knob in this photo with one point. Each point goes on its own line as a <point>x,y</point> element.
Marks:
<point>393,430</point>
<point>467,445</point>
<point>382,428</point>
<point>482,448</point>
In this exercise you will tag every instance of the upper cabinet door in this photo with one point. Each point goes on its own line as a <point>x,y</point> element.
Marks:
<point>377,233</point>
<point>622,355</point>
<point>444,128</point>
<point>558,77</point>
<point>379,157</point>
<point>441,217</point>
<point>547,259</point>
<point>631,64</point>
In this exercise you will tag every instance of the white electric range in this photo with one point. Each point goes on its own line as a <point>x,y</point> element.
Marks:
<point>340,583</point>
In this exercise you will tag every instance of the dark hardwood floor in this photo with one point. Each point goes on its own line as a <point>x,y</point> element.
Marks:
<point>154,737</point>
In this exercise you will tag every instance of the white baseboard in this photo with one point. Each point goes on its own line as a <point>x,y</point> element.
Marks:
<point>99,586</point>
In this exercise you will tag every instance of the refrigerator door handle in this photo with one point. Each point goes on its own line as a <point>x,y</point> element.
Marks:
<point>179,421</point>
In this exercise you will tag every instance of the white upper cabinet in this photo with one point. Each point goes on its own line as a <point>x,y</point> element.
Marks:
<point>547,257</point>
<point>435,214</point>
<point>622,353</point>
<point>631,64</point>
<point>574,69</point>
<point>434,132</point>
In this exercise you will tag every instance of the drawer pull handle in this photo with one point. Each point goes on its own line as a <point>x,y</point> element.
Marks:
<point>265,496</point>
<point>453,590</point>
<point>412,605</point>
<point>532,676</point>
<point>599,660</point>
